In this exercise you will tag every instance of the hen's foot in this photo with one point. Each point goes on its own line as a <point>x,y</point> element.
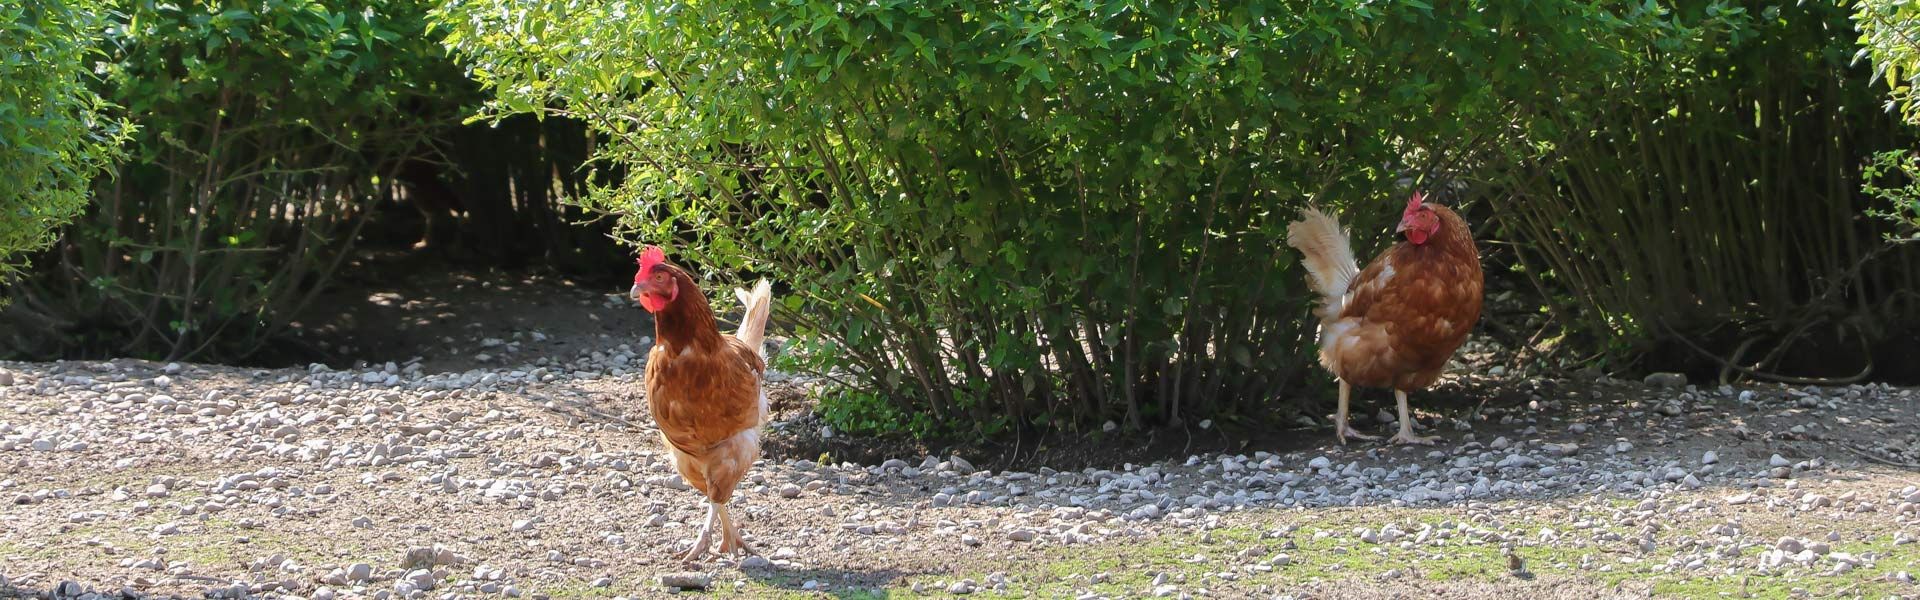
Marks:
<point>706,537</point>
<point>730,541</point>
<point>1342,432</point>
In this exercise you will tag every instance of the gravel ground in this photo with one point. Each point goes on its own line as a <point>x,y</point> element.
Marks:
<point>544,480</point>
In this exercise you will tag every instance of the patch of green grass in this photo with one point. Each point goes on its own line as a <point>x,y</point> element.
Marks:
<point>203,552</point>
<point>1130,566</point>
<point>214,545</point>
<point>584,589</point>
<point>46,551</point>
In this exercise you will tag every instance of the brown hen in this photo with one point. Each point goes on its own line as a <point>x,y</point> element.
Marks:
<point>704,388</point>
<point>1397,322</point>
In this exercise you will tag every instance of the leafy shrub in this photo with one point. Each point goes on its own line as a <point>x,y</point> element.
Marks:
<point>1890,36</point>
<point>1893,178</point>
<point>266,126</point>
<point>1038,212</point>
<point>1708,196</point>
<point>55,131</point>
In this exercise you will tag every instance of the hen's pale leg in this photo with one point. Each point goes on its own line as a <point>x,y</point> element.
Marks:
<point>1406,435</point>
<point>1340,429</point>
<point>730,540</point>
<point>706,534</point>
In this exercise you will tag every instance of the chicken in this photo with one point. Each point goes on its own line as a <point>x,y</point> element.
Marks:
<point>704,388</point>
<point>1395,323</point>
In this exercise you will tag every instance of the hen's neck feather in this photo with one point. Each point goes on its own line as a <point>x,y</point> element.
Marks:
<point>687,322</point>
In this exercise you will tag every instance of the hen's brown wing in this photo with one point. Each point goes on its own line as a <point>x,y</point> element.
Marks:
<point>1404,316</point>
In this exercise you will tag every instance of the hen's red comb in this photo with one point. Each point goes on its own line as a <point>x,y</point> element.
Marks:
<point>651,257</point>
<point>1413,204</point>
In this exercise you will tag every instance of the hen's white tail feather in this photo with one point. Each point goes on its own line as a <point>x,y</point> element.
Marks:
<point>1329,257</point>
<point>755,305</point>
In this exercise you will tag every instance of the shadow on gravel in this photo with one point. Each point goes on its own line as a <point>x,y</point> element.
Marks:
<point>844,583</point>
<point>578,407</point>
<point>73,591</point>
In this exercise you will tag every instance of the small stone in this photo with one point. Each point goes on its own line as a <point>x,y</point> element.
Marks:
<point>1320,462</point>
<point>789,491</point>
<point>961,587</point>
<point>421,579</point>
<point>755,562</point>
<point>1672,381</point>
<point>1778,461</point>
<point>1021,535</point>
<point>157,491</point>
<point>523,525</point>
<point>685,581</point>
<point>1709,458</point>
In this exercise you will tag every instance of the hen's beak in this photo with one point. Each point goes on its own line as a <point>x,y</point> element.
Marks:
<point>634,293</point>
<point>1402,228</point>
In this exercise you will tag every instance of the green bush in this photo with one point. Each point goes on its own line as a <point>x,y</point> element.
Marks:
<point>1707,198</point>
<point>265,128</point>
<point>56,133</point>
<point>1031,213</point>
<point>1893,179</point>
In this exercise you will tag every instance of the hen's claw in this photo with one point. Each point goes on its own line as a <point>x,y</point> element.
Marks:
<point>1405,438</point>
<point>736,546</point>
<point>699,547</point>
